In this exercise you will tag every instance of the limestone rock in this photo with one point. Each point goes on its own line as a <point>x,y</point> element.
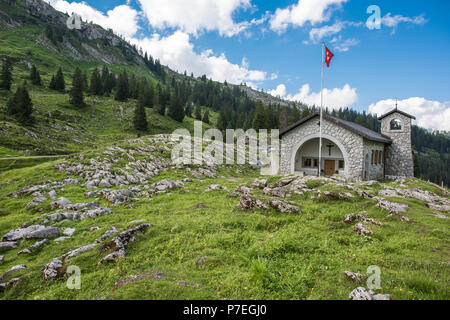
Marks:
<point>284,207</point>
<point>279,192</point>
<point>8,285</point>
<point>258,184</point>
<point>360,293</point>
<point>120,243</point>
<point>353,276</point>
<point>215,187</point>
<point>60,203</point>
<point>246,202</point>
<point>8,245</point>
<point>12,270</point>
<point>31,232</point>
<point>33,247</point>
<point>53,270</point>
<point>362,230</point>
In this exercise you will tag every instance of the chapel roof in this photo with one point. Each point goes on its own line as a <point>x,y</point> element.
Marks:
<point>351,126</point>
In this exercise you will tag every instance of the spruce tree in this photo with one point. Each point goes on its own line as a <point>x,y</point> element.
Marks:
<point>140,116</point>
<point>52,84</point>
<point>206,117</point>
<point>60,85</point>
<point>20,106</point>
<point>122,92</point>
<point>76,93</point>
<point>161,104</point>
<point>176,110</point>
<point>6,74</point>
<point>96,83</point>
<point>259,120</point>
<point>35,77</point>
<point>294,115</point>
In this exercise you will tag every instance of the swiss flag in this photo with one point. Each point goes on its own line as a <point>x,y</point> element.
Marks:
<point>328,56</point>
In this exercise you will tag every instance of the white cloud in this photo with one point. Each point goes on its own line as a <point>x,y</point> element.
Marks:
<point>429,114</point>
<point>334,98</point>
<point>194,16</point>
<point>346,44</point>
<point>317,34</point>
<point>312,11</point>
<point>178,53</point>
<point>280,91</point>
<point>122,19</point>
<point>393,21</point>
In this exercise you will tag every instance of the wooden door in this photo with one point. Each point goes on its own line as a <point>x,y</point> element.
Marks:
<point>330,167</point>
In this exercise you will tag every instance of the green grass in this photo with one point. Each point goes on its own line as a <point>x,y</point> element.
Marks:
<point>249,255</point>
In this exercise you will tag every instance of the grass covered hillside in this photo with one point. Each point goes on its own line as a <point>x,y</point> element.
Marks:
<point>199,232</point>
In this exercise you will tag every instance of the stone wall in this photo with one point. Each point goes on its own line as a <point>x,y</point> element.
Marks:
<point>351,145</point>
<point>375,171</point>
<point>399,157</point>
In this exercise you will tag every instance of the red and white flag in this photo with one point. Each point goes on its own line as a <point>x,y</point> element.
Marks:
<point>328,56</point>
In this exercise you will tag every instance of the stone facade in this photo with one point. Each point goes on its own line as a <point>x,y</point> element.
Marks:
<point>374,170</point>
<point>350,144</point>
<point>399,156</point>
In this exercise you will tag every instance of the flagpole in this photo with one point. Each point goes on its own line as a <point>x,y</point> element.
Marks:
<point>321,114</point>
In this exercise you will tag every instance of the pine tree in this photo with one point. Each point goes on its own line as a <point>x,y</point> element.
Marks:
<point>122,87</point>
<point>60,85</point>
<point>6,74</point>
<point>20,106</point>
<point>76,93</point>
<point>96,83</point>
<point>198,113</point>
<point>35,77</point>
<point>222,120</point>
<point>176,111</point>
<point>52,84</point>
<point>140,117</point>
<point>206,117</point>
<point>161,104</point>
<point>294,115</point>
<point>259,120</point>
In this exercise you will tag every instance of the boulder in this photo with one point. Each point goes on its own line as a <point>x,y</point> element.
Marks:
<point>31,232</point>
<point>61,203</point>
<point>279,192</point>
<point>52,194</point>
<point>95,213</point>
<point>215,187</point>
<point>353,276</point>
<point>68,231</point>
<point>8,285</point>
<point>53,270</point>
<point>362,230</point>
<point>258,184</point>
<point>283,207</point>
<point>360,293</point>
<point>246,202</point>
<point>8,245</point>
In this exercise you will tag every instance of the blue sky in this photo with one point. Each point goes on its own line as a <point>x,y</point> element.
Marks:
<point>276,46</point>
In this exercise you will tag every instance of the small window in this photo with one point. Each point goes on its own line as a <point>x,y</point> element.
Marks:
<point>307,163</point>
<point>316,163</point>
<point>376,157</point>
<point>396,124</point>
<point>341,164</point>
<point>380,154</point>
<point>373,158</point>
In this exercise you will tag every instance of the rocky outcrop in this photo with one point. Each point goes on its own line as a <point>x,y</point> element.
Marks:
<point>361,293</point>
<point>53,270</point>
<point>120,243</point>
<point>246,202</point>
<point>8,245</point>
<point>32,232</point>
<point>283,207</point>
<point>33,247</point>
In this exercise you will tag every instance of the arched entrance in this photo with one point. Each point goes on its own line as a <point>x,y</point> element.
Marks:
<point>305,156</point>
